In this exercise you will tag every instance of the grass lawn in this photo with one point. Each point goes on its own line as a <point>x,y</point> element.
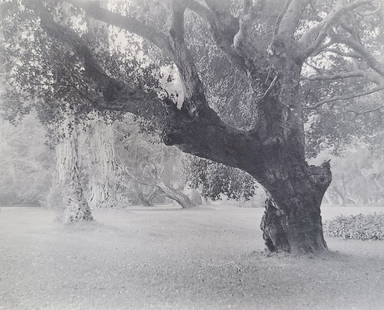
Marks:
<point>167,258</point>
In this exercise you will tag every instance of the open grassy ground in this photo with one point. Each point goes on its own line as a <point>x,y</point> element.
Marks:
<point>205,258</point>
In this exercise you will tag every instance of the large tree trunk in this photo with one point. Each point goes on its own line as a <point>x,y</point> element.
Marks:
<point>292,217</point>
<point>293,224</point>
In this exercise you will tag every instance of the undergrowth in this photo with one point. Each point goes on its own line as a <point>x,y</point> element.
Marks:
<point>360,227</point>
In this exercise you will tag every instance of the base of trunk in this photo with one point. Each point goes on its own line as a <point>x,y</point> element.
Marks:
<point>77,212</point>
<point>300,235</point>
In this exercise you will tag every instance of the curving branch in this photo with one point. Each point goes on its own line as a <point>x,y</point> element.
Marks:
<point>204,135</point>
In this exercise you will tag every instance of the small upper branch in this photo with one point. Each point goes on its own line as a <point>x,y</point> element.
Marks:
<point>93,9</point>
<point>346,97</point>
<point>177,27</point>
<point>315,36</point>
<point>362,51</point>
<point>341,53</point>
<point>363,112</point>
<point>338,76</point>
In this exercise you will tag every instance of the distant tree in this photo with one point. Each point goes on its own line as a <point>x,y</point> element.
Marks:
<point>26,162</point>
<point>148,167</point>
<point>100,163</point>
<point>358,175</point>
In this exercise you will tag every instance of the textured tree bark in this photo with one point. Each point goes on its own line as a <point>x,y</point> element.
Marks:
<point>75,204</point>
<point>102,182</point>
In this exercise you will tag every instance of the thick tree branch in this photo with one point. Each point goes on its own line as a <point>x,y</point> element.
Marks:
<point>193,87</point>
<point>204,135</point>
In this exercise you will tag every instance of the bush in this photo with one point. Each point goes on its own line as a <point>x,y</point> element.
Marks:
<point>217,181</point>
<point>361,227</point>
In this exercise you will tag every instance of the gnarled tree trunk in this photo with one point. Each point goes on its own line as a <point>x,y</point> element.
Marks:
<point>292,218</point>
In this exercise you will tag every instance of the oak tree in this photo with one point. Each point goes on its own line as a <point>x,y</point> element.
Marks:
<point>271,48</point>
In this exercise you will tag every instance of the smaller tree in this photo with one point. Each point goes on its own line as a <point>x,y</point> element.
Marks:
<point>147,167</point>
<point>98,154</point>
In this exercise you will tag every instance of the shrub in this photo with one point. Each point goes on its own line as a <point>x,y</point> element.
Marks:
<point>217,181</point>
<point>361,227</point>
